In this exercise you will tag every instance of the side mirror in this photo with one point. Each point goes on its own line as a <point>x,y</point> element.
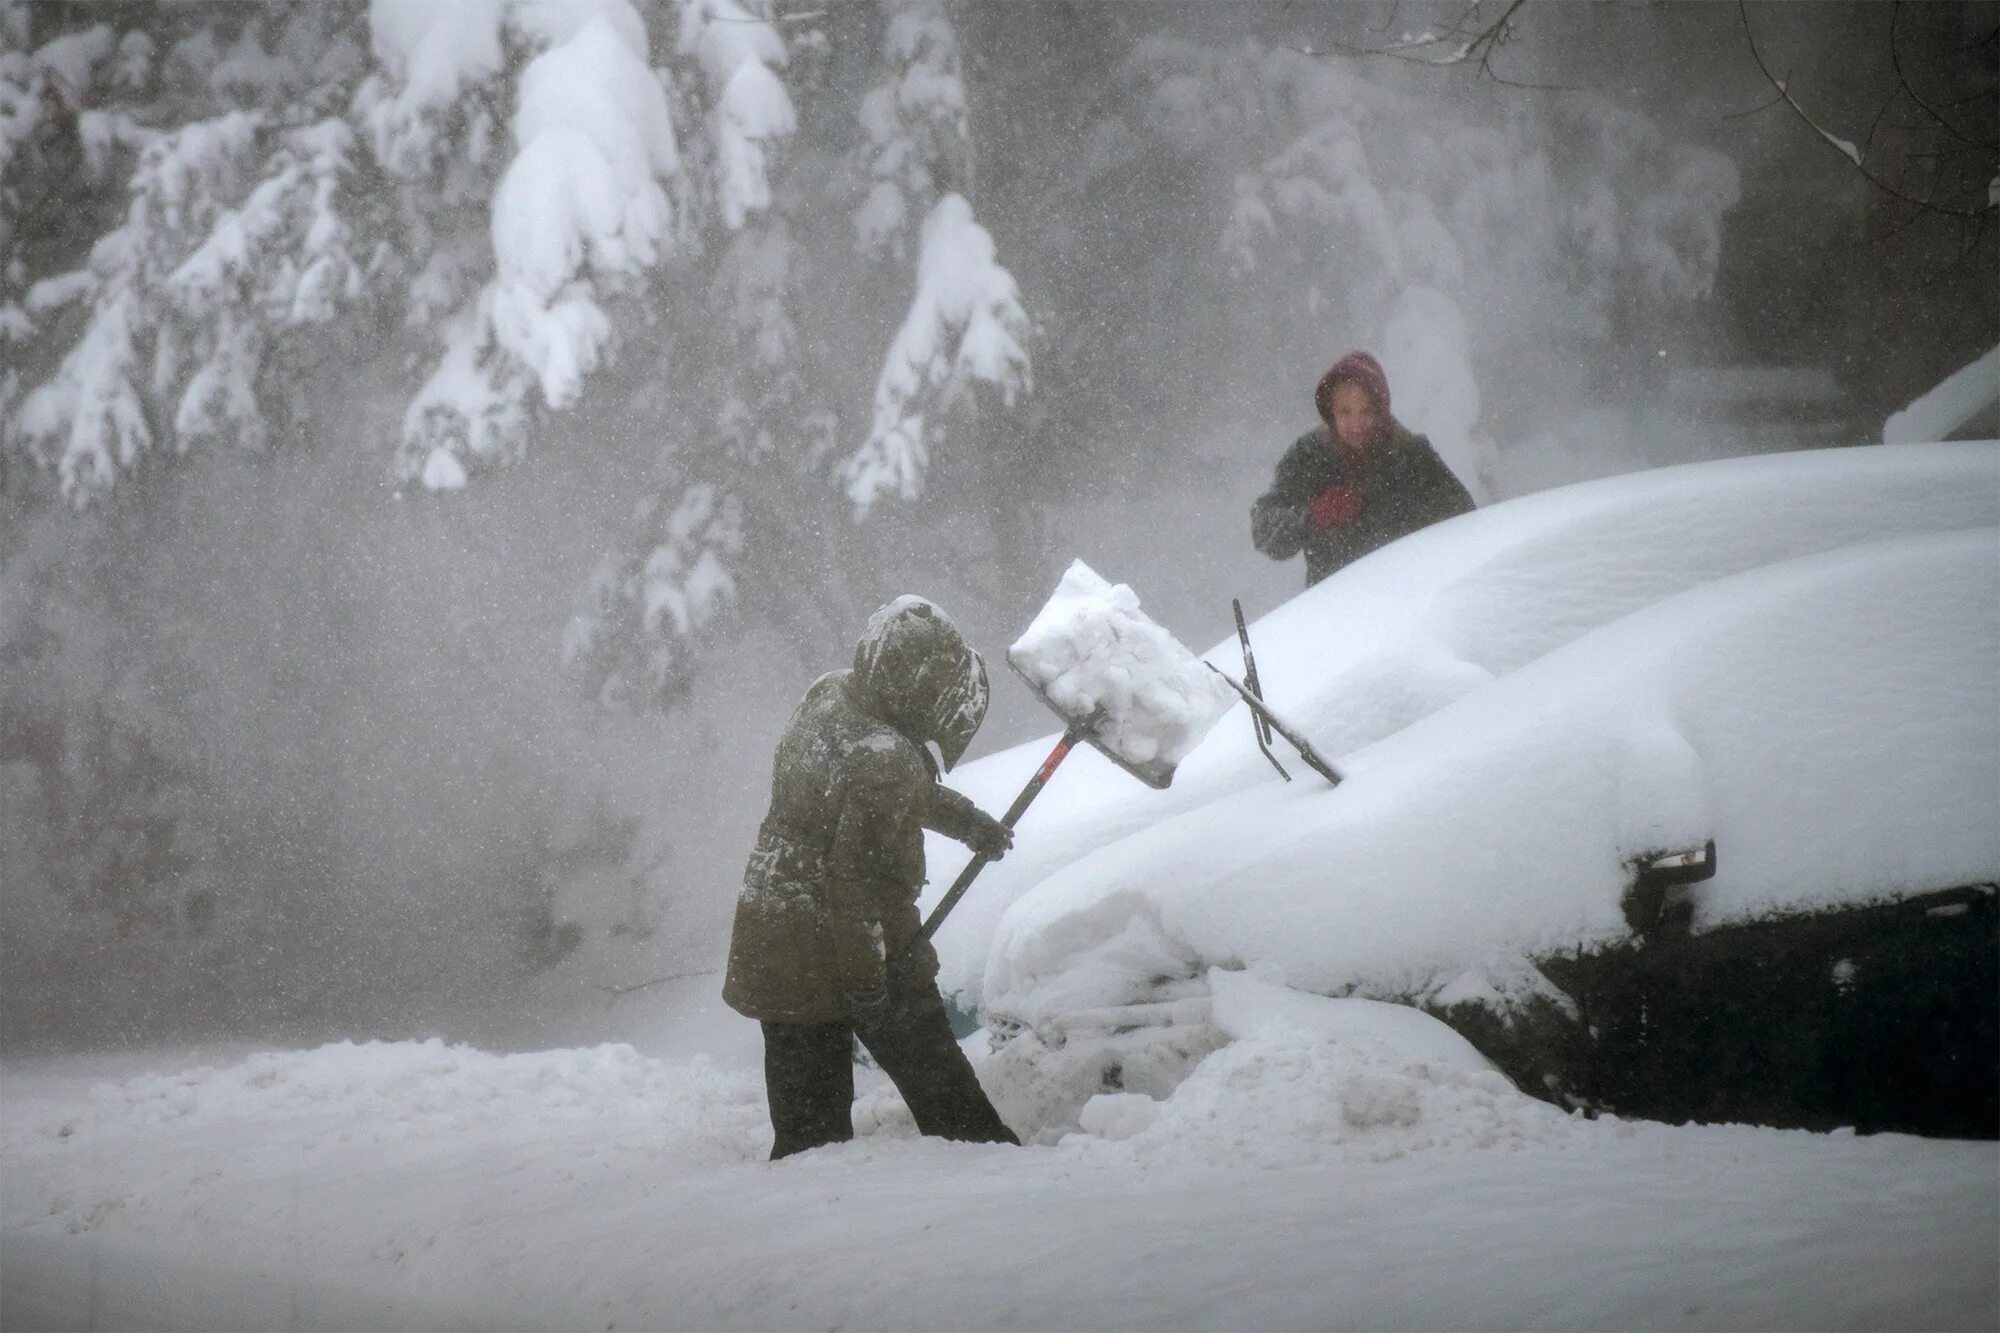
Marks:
<point>1669,868</point>
<point>1657,902</point>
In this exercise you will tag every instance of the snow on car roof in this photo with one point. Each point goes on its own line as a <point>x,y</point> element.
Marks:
<point>1521,698</point>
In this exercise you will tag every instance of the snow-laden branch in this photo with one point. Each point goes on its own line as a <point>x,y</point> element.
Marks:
<point>740,55</point>
<point>48,104</point>
<point>431,55</point>
<point>283,259</point>
<point>88,421</point>
<point>580,212</point>
<point>966,327</point>
<point>1366,193</point>
<point>646,611</point>
<point>1935,416</point>
<point>684,582</point>
<point>581,203</point>
<point>918,128</point>
<point>1325,183</point>
<point>472,407</point>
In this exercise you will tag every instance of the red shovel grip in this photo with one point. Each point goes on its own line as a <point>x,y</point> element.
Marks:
<point>1014,811</point>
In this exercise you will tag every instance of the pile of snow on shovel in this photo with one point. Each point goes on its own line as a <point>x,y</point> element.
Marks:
<point>1093,653</point>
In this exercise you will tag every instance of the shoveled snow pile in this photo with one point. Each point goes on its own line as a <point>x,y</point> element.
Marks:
<point>1767,651</point>
<point>1274,1076</point>
<point>1305,1078</point>
<point>1095,655</point>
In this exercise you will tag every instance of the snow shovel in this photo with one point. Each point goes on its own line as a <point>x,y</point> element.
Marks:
<point>1119,682</point>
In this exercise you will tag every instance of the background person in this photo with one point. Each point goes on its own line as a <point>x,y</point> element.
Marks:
<point>1358,481</point>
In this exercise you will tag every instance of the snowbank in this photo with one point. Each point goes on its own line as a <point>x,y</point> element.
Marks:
<point>1825,703</point>
<point>361,1093</point>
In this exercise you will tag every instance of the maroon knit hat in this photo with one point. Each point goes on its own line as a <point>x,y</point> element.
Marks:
<point>1355,368</point>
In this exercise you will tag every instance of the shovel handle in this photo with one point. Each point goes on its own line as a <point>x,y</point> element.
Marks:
<point>978,862</point>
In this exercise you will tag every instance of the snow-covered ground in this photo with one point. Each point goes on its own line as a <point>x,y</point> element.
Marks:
<point>1337,1165</point>
<point>1549,685</point>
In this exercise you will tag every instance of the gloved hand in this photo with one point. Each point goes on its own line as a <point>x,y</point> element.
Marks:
<point>867,1008</point>
<point>989,837</point>
<point>1335,504</point>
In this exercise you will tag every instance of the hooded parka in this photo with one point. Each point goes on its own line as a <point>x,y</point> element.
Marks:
<point>829,895</point>
<point>1402,484</point>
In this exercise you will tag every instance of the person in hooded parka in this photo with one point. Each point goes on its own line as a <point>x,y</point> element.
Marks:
<point>827,943</point>
<point>1357,482</point>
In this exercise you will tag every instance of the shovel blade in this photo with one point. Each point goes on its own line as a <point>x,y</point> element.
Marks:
<point>1153,772</point>
<point>1119,679</point>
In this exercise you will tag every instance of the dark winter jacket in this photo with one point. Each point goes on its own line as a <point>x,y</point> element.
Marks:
<point>830,892</point>
<point>1403,486</point>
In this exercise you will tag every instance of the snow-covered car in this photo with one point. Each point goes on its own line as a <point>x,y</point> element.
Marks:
<point>1793,660</point>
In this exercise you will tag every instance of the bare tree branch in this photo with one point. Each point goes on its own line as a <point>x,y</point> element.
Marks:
<point>1757,110</point>
<point>1970,236</point>
<point>1842,146</point>
<point>1465,41</point>
<point>1896,59</point>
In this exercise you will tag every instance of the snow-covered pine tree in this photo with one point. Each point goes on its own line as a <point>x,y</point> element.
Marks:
<point>498,179</point>
<point>743,503</point>
<point>966,333</point>
<point>504,179</point>
<point>539,198</point>
<point>916,126</point>
<point>653,602</point>
<point>232,236</point>
<point>192,217</point>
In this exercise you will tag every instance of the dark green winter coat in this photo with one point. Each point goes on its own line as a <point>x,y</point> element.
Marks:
<point>1403,484</point>
<point>830,892</point>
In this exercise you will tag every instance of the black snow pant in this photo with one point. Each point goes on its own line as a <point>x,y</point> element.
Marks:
<point>809,1074</point>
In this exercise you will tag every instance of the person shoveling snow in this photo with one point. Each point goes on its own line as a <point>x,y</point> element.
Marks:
<point>827,944</point>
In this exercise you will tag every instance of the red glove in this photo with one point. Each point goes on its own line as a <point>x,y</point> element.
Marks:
<point>1335,504</point>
